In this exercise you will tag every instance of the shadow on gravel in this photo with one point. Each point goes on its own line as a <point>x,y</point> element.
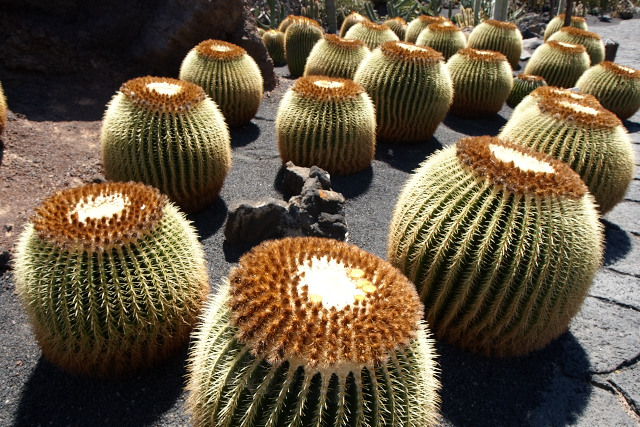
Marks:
<point>632,127</point>
<point>244,135</point>
<point>352,185</point>
<point>208,221</point>
<point>530,390</point>
<point>617,243</point>
<point>406,157</point>
<point>476,127</point>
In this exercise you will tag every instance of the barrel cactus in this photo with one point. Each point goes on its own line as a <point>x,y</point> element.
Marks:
<point>591,41</point>
<point>334,56</point>
<point>482,82</point>
<point>415,26</point>
<point>169,134</point>
<point>300,37</point>
<point>112,277</point>
<point>3,110</point>
<point>558,63</point>
<point>398,26</point>
<point>616,86</point>
<point>589,138</point>
<point>274,42</point>
<point>558,22</point>
<point>570,95</point>
<point>327,122</point>
<point>373,35</point>
<point>352,19</point>
<point>445,37</point>
<point>501,241</point>
<point>284,24</point>
<point>410,87</point>
<point>499,36</point>
<point>523,84</point>
<point>311,331</point>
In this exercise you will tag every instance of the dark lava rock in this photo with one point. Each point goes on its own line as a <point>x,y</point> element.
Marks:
<point>254,221</point>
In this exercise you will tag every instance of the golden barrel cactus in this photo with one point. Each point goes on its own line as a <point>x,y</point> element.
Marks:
<point>558,63</point>
<point>373,35</point>
<point>398,26</point>
<point>415,26</point>
<point>591,41</point>
<point>523,85</point>
<point>334,56</point>
<point>558,22</point>
<point>444,37</point>
<point>352,19</point>
<point>499,36</point>
<point>274,42</point>
<point>301,35</point>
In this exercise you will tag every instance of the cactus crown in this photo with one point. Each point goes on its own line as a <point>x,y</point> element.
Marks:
<point>398,19</point>
<point>482,55</point>
<point>336,40</point>
<point>568,94</point>
<point>321,302</point>
<point>220,50</point>
<point>501,24</point>
<point>575,49</point>
<point>585,114</point>
<point>580,33</point>
<point>98,217</point>
<point>409,52</point>
<point>162,93</point>
<point>519,169</point>
<point>573,18</point>
<point>303,20</point>
<point>428,19</point>
<point>373,26</point>
<point>530,78</point>
<point>444,27</point>
<point>621,70</point>
<point>324,88</point>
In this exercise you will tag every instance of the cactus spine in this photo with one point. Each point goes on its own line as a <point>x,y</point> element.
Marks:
<point>300,37</point>
<point>352,19</point>
<point>523,84</point>
<point>415,26</point>
<point>501,241</point>
<point>445,38</point>
<point>558,22</point>
<point>169,134</point>
<point>499,36</point>
<point>112,276</point>
<point>558,63</point>
<point>311,331</point>
<point>398,26</point>
<point>373,35</point>
<point>3,110</point>
<point>334,56</point>
<point>591,41</point>
<point>274,42</point>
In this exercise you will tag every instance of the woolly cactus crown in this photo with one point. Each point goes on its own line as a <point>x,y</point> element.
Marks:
<point>410,53</point>
<point>162,94</point>
<point>444,37</point>
<point>415,26</point>
<point>352,19</point>
<point>555,92</point>
<point>372,34</point>
<point>591,41</point>
<point>320,88</point>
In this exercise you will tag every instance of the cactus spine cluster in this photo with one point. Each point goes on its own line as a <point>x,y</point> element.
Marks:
<point>445,38</point>
<point>616,86</point>
<point>302,33</point>
<point>523,84</point>
<point>352,19</point>
<point>112,276</point>
<point>569,95</point>
<point>501,241</point>
<point>373,35</point>
<point>334,56</point>
<point>398,26</point>
<point>590,139</point>
<point>327,122</point>
<point>169,134</point>
<point>311,331</point>
<point>558,22</point>
<point>482,82</point>
<point>591,41</point>
<point>410,87</point>
<point>415,26</point>
<point>499,36</point>
<point>274,42</point>
<point>558,63</point>
<point>3,110</point>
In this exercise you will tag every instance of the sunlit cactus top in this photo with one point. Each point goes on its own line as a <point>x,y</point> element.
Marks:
<point>408,52</point>
<point>352,19</point>
<point>482,55</point>
<point>322,88</point>
<point>162,94</point>
<point>220,50</point>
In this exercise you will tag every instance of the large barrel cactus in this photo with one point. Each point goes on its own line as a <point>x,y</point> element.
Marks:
<point>558,63</point>
<point>523,85</point>
<point>502,243</point>
<point>300,37</point>
<point>398,26</point>
<point>557,22</point>
<point>169,134</point>
<point>591,41</point>
<point>3,110</point>
<point>334,56</point>
<point>410,87</point>
<point>112,276</point>
<point>313,332</point>
<point>352,19</point>
<point>415,26</point>
<point>499,36</point>
<point>274,42</point>
<point>327,122</point>
<point>444,37</point>
<point>373,35</point>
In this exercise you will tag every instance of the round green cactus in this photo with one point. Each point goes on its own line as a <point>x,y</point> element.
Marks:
<point>590,139</point>
<point>558,63</point>
<point>415,26</point>
<point>3,110</point>
<point>523,84</point>
<point>502,243</point>
<point>286,22</point>
<point>616,86</point>
<point>112,277</point>
<point>482,82</point>
<point>499,36</point>
<point>398,26</point>
<point>274,42</point>
<point>228,75</point>
<point>169,134</point>
<point>352,19</point>
<point>300,37</point>
<point>327,122</point>
<point>591,41</point>
<point>334,56</point>
<point>558,22</point>
<point>445,38</point>
<point>410,87</point>
<point>373,35</point>
<point>311,331</point>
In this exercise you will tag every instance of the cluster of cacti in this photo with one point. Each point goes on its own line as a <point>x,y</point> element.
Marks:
<point>334,56</point>
<point>327,122</point>
<point>274,42</point>
<point>444,37</point>
<point>482,82</point>
<point>228,75</point>
<point>591,41</point>
<point>112,276</point>
<point>3,110</point>
<point>415,26</point>
<point>499,36</point>
<point>587,137</point>
<point>501,241</point>
<point>558,22</point>
<point>558,63</point>
<point>352,19</point>
<point>616,86</point>
<point>299,38</point>
<point>523,85</point>
<point>311,331</point>
<point>169,134</point>
<point>371,34</point>
<point>410,87</point>
<point>398,26</point>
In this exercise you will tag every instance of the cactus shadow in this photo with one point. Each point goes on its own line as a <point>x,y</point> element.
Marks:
<point>546,387</point>
<point>617,243</point>
<point>209,220</point>
<point>354,184</point>
<point>632,127</point>
<point>244,135</point>
<point>478,127</point>
<point>406,157</point>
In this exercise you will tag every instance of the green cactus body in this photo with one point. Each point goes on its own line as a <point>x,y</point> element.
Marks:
<point>558,63</point>
<point>274,42</point>
<point>3,110</point>
<point>558,22</point>
<point>334,56</point>
<point>590,139</point>
<point>591,41</point>
<point>112,277</point>
<point>617,87</point>
<point>410,87</point>
<point>312,332</point>
<point>373,35</point>
<point>228,75</point>
<point>398,26</point>
<point>299,39</point>
<point>502,243</point>
<point>286,22</point>
<point>415,26</point>
<point>352,19</point>
<point>445,38</point>
<point>169,134</point>
<point>523,84</point>
<point>327,122</point>
<point>499,36</point>
<point>261,31</point>
<point>482,82</point>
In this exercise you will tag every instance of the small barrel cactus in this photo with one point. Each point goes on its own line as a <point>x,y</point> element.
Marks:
<point>373,35</point>
<point>327,122</point>
<point>501,241</point>
<point>313,332</point>
<point>169,134</point>
<point>445,38</point>
<point>3,110</point>
<point>591,41</point>
<point>334,56</point>
<point>398,26</point>
<point>352,19</point>
<point>410,87</point>
<point>415,26</point>
<point>112,277</point>
<point>274,42</point>
<point>523,84</point>
<point>300,37</point>
<point>499,36</point>
<point>587,137</point>
<point>558,63</point>
<point>558,22</point>
<point>482,81</point>
<point>616,86</point>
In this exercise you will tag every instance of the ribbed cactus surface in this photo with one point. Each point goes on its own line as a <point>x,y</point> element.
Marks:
<point>371,34</point>
<point>398,26</point>
<point>334,56</point>
<point>415,26</point>
<point>445,38</point>
<point>274,42</point>
<point>300,37</point>
<point>591,41</point>
<point>3,110</point>
<point>499,36</point>
<point>558,63</point>
<point>523,85</point>
<point>352,19</point>
<point>557,22</point>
